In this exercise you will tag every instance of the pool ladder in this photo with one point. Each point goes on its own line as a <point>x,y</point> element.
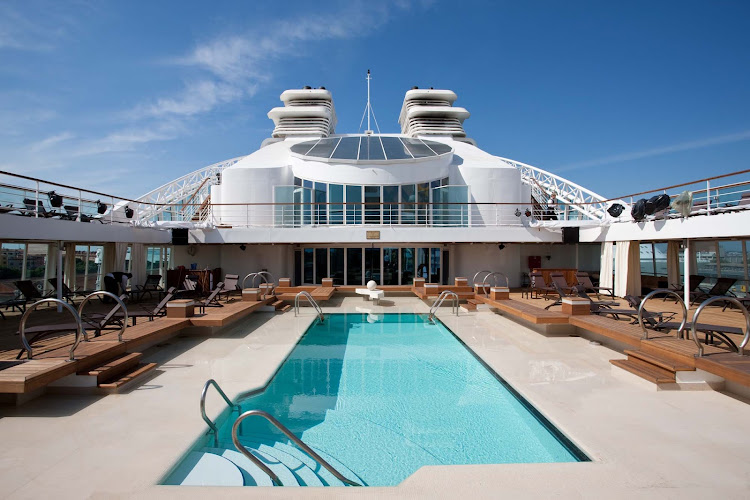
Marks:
<point>309,299</point>
<point>439,302</point>
<point>235,438</point>
<point>264,276</point>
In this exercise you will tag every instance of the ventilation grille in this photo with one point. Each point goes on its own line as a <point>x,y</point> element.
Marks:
<point>431,112</point>
<point>306,112</point>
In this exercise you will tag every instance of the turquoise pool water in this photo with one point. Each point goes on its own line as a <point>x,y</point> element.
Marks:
<point>387,394</point>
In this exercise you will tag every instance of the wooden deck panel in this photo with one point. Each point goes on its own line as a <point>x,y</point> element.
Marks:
<point>220,316</point>
<point>621,331</point>
<point>527,312</point>
<point>34,374</point>
<point>729,365</point>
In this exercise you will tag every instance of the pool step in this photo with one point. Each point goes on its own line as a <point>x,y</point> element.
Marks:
<point>137,375</point>
<point>205,469</point>
<point>282,306</point>
<point>114,367</point>
<point>651,367</point>
<point>254,475</point>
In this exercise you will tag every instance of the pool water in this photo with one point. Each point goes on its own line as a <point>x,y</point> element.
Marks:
<point>387,394</point>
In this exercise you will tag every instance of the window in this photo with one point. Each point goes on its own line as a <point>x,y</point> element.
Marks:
<point>353,266</point>
<point>354,204</point>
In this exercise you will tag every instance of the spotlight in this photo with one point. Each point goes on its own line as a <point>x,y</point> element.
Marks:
<point>128,212</point>
<point>615,210</point>
<point>548,257</point>
<point>55,199</point>
<point>243,247</point>
<point>501,246</point>
<point>101,207</point>
<point>527,213</point>
<point>518,213</point>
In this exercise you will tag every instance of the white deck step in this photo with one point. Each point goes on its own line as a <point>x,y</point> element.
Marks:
<point>206,469</point>
<point>285,475</point>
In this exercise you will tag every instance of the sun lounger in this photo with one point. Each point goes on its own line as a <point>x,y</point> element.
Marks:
<point>720,289</point>
<point>143,311</point>
<point>584,280</point>
<point>538,285</point>
<point>231,286</point>
<point>212,300</point>
<point>33,208</point>
<point>67,293</point>
<point>30,292</point>
<point>559,280</point>
<point>152,285</point>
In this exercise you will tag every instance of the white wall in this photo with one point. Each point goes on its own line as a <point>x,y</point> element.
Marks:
<point>467,259</point>
<point>277,259</point>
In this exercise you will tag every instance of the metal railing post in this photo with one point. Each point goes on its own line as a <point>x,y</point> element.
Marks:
<point>36,206</point>
<point>708,197</point>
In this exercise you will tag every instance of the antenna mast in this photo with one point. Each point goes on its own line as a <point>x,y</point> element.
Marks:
<point>369,109</point>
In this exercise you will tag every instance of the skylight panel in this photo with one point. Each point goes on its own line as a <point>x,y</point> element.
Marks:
<point>371,149</point>
<point>347,149</point>
<point>395,149</point>
<point>324,148</point>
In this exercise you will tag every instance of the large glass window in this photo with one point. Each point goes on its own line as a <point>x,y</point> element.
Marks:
<point>321,264</point>
<point>336,209</point>
<point>390,207</point>
<point>705,260</point>
<point>390,266</point>
<point>337,265</point>
<point>353,266</point>
<point>731,262</point>
<point>372,204</point>
<point>320,199</point>
<point>307,266</point>
<point>423,264</point>
<point>372,265</point>
<point>354,204</point>
<point>36,264</point>
<point>423,197</point>
<point>408,197</point>
<point>434,265</point>
<point>407,266</point>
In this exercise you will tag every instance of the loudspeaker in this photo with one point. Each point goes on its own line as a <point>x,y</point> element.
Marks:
<point>570,234</point>
<point>179,236</point>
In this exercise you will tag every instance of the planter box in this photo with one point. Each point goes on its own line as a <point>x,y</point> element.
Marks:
<point>431,289</point>
<point>418,282</point>
<point>251,294</point>
<point>500,293</point>
<point>461,281</point>
<point>183,308</point>
<point>285,282</point>
<point>327,282</point>
<point>576,306</point>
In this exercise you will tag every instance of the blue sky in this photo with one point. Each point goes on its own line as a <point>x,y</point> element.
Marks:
<point>618,97</point>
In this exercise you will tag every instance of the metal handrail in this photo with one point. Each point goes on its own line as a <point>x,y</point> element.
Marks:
<point>262,275</point>
<point>439,301</point>
<point>656,292</point>
<point>120,303</point>
<point>731,300</point>
<point>245,279</point>
<point>32,307</point>
<point>486,278</point>
<point>211,424</point>
<point>292,437</point>
<point>474,280</point>
<point>309,299</point>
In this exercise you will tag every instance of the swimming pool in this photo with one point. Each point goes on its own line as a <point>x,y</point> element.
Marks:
<point>381,396</point>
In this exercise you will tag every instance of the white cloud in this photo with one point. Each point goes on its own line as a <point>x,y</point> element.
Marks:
<point>51,141</point>
<point>647,153</point>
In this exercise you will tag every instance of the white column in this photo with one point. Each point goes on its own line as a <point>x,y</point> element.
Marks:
<point>60,274</point>
<point>686,260</point>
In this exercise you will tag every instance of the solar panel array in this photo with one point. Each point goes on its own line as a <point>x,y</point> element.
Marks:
<point>370,148</point>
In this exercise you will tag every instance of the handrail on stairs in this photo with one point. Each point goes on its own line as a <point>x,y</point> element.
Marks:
<point>292,437</point>
<point>439,301</point>
<point>309,299</point>
<point>32,307</point>
<point>211,424</point>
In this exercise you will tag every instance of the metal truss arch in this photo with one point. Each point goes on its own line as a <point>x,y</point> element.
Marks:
<point>586,202</point>
<point>184,195</point>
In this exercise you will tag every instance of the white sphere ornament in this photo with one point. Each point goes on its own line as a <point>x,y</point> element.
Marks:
<point>371,285</point>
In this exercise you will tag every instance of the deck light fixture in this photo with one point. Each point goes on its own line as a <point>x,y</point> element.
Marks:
<point>55,199</point>
<point>243,247</point>
<point>518,212</point>
<point>101,207</point>
<point>527,213</point>
<point>615,210</point>
<point>128,212</point>
<point>501,246</point>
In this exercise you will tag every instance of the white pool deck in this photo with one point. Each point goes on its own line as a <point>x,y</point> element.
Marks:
<point>644,443</point>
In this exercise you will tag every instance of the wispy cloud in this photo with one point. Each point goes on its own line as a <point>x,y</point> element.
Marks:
<point>648,153</point>
<point>51,22</point>
<point>51,141</point>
